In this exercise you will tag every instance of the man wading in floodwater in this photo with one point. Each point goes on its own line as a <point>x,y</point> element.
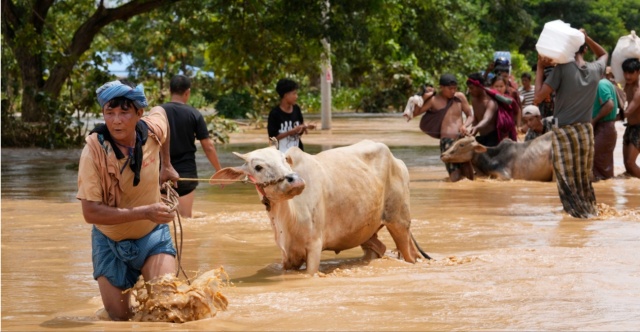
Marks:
<point>119,190</point>
<point>575,84</point>
<point>443,119</point>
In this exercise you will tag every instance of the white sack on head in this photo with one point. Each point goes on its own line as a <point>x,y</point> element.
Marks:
<point>627,47</point>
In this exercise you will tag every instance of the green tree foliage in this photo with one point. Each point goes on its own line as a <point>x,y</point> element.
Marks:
<point>55,53</point>
<point>605,21</point>
<point>507,21</point>
<point>48,39</point>
<point>161,44</point>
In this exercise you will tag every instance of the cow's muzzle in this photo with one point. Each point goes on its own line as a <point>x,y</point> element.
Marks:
<point>295,184</point>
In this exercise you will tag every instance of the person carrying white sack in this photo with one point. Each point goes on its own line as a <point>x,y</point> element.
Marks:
<point>417,100</point>
<point>625,65</point>
<point>575,84</point>
<point>631,137</point>
<point>443,119</point>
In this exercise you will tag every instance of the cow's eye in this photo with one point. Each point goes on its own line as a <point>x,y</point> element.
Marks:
<point>258,168</point>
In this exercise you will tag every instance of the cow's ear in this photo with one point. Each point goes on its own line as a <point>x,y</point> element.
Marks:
<point>228,173</point>
<point>479,148</point>
<point>289,160</point>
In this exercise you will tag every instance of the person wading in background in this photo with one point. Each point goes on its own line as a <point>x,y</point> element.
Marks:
<point>575,84</point>
<point>187,124</point>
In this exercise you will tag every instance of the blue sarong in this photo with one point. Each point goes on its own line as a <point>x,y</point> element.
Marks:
<point>121,262</point>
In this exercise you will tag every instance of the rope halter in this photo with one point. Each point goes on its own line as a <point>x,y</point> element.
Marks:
<point>260,187</point>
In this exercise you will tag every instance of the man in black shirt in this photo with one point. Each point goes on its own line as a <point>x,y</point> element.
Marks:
<point>187,124</point>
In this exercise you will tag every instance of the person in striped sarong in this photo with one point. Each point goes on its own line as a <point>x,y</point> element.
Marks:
<point>572,154</point>
<point>575,84</point>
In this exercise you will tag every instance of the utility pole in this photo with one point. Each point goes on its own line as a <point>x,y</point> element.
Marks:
<point>325,85</point>
<point>327,74</point>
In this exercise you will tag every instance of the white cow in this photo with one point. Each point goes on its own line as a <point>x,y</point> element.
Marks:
<point>335,200</point>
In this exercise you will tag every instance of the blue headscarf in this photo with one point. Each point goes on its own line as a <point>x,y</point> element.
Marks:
<point>116,89</point>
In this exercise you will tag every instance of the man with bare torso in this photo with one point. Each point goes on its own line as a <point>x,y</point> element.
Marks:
<point>631,138</point>
<point>447,107</point>
<point>485,112</point>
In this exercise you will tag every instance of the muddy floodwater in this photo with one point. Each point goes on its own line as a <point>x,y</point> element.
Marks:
<point>505,255</point>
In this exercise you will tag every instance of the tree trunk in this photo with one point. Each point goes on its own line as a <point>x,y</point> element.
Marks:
<point>32,85</point>
<point>18,22</point>
<point>18,17</point>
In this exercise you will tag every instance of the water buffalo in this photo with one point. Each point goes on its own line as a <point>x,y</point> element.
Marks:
<point>530,160</point>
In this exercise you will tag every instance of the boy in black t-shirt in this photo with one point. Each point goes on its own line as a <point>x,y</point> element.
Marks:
<point>285,121</point>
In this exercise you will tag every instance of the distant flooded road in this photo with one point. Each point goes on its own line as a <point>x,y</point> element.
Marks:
<point>505,255</point>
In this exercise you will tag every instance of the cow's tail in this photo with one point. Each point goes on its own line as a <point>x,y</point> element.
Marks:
<point>424,254</point>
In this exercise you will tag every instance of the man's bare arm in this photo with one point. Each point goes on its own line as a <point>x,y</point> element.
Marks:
<point>542,90</point>
<point>634,105</point>
<point>466,109</point>
<point>210,151</point>
<point>426,106</point>
<point>599,51</point>
<point>605,109</point>
<point>489,115</point>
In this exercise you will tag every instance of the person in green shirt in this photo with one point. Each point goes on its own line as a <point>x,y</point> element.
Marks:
<point>604,130</point>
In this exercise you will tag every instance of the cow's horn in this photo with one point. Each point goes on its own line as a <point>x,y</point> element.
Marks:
<point>273,142</point>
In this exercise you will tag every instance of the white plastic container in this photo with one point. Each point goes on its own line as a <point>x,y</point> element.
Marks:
<point>627,47</point>
<point>559,41</point>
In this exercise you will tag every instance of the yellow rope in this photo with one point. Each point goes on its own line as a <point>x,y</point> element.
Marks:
<point>213,181</point>
<point>193,179</point>
<point>172,201</point>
